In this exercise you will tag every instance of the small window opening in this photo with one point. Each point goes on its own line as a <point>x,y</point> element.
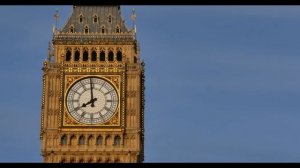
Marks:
<point>118,29</point>
<point>95,19</point>
<point>99,140</point>
<point>85,55</point>
<point>103,30</point>
<point>80,18</point>
<point>119,56</point>
<point>64,140</point>
<point>117,141</point>
<point>77,56</point>
<point>68,55</point>
<point>94,56</point>
<point>71,29</point>
<point>102,56</point>
<point>81,140</point>
<point>110,56</point>
<point>86,29</point>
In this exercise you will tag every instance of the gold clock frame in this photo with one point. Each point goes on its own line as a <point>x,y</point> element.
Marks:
<point>115,78</point>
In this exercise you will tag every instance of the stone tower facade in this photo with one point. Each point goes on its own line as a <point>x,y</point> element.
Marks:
<point>93,90</point>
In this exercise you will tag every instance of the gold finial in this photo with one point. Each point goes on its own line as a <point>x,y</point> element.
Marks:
<point>56,16</point>
<point>133,18</point>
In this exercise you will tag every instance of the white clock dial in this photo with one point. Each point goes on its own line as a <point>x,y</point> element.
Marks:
<point>92,100</point>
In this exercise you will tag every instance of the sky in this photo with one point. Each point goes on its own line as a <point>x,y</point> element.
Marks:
<point>222,82</point>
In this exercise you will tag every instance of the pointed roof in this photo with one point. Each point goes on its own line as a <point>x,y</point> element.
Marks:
<point>95,18</point>
<point>105,24</point>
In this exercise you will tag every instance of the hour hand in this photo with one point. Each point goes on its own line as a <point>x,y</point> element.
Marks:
<point>90,102</point>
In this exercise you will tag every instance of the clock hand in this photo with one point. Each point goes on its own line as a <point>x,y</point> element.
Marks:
<point>89,102</point>
<point>92,97</point>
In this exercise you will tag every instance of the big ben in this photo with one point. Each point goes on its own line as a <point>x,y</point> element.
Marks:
<point>93,90</point>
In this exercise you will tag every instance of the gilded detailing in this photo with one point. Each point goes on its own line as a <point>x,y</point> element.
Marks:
<point>115,80</point>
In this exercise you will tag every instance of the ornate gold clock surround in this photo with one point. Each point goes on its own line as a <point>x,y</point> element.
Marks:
<point>115,74</point>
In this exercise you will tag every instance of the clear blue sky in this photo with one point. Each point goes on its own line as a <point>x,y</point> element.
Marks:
<point>222,82</point>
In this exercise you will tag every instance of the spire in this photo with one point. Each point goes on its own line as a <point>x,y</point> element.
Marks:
<point>133,18</point>
<point>56,16</point>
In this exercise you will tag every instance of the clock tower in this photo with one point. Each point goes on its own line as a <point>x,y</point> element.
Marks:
<point>93,90</point>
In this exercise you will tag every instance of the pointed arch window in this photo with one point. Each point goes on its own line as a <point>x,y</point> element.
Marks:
<point>110,56</point>
<point>86,29</point>
<point>119,56</point>
<point>85,55</point>
<point>117,140</point>
<point>81,140</point>
<point>77,55</point>
<point>102,56</point>
<point>108,140</point>
<point>94,55</point>
<point>63,140</point>
<point>72,29</point>
<point>99,140</point>
<point>95,19</point>
<point>118,29</point>
<point>68,55</point>
<point>81,161</point>
<point>63,160</point>
<point>73,140</point>
<point>102,29</point>
<point>80,18</point>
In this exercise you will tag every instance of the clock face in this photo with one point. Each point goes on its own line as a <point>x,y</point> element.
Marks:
<point>92,100</point>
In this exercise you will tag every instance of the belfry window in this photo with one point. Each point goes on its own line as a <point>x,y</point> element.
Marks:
<point>119,56</point>
<point>85,55</point>
<point>94,56</point>
<point>86,29</point>
<point>77,56</point>
<point>110,56</point>
<point>68,55</point>
<point>102,56</point>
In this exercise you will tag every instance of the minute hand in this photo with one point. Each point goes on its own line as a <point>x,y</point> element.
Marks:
<point>92,97</point>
